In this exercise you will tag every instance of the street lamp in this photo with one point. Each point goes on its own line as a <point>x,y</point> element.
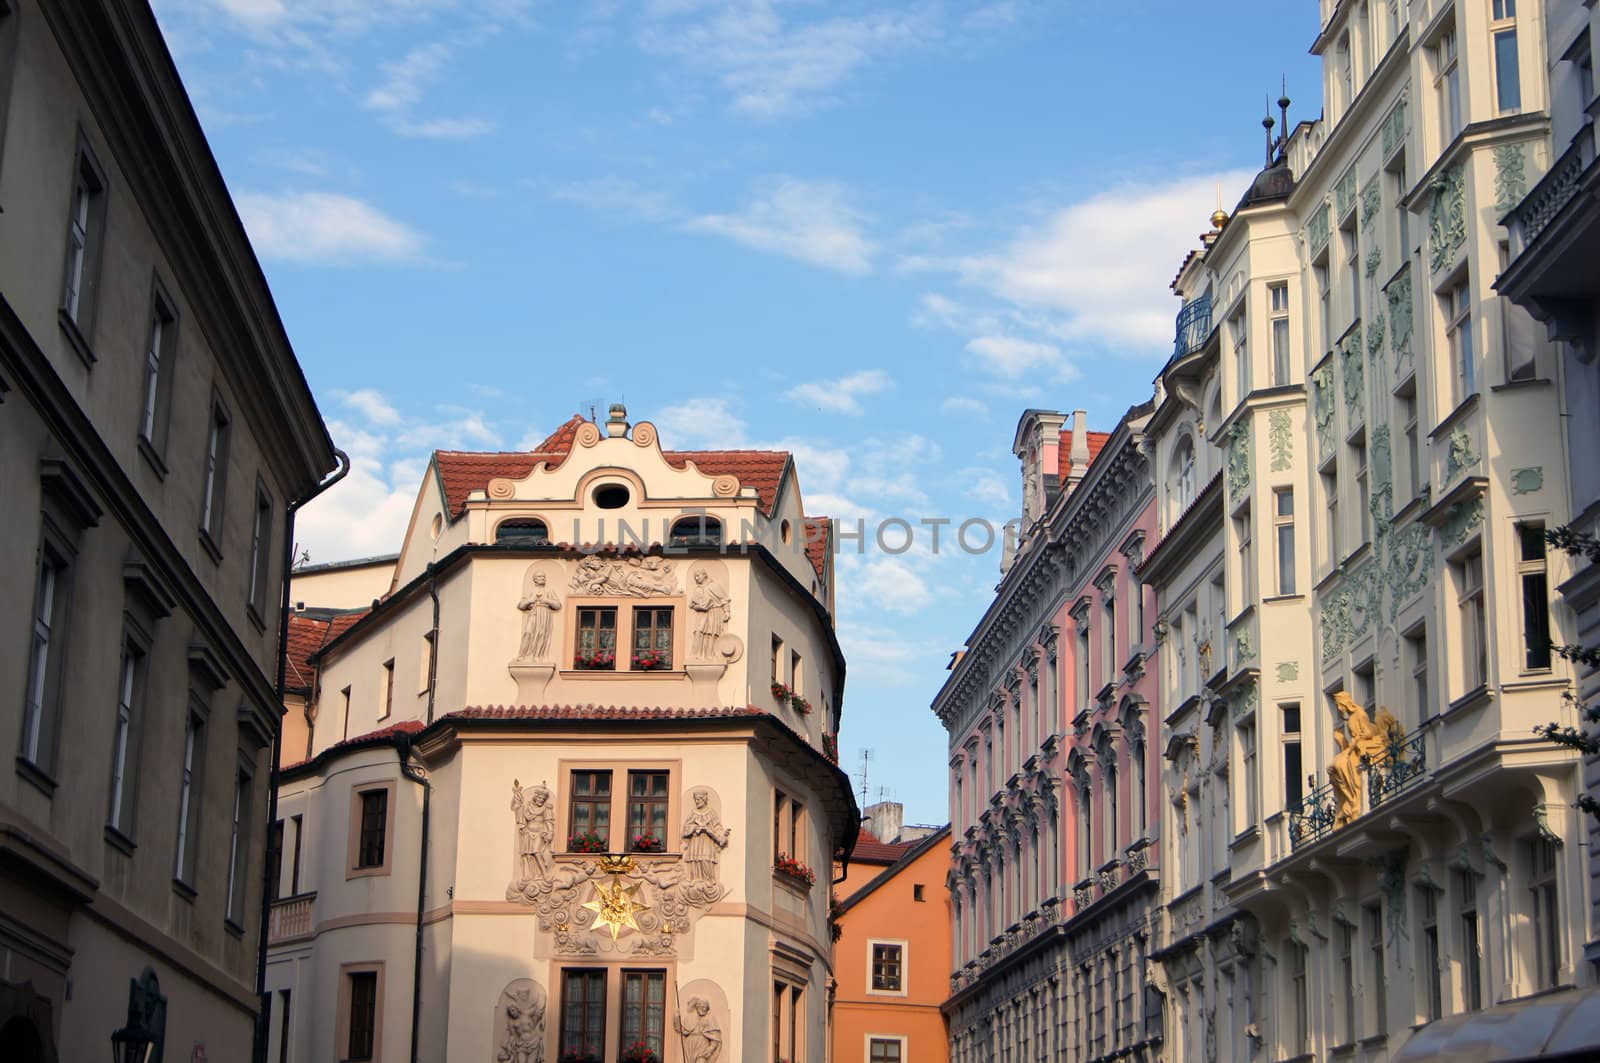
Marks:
<point>141,1040</point>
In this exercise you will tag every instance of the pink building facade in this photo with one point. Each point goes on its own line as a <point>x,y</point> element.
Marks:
<point>1052,716</point>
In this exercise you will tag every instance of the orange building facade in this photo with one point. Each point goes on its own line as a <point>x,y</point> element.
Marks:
<point>892,960</point>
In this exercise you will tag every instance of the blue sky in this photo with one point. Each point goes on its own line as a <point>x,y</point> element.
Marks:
<point>869,233</point>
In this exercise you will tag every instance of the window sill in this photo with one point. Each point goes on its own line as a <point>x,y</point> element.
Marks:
<point>1279,598</point>
<point>184,890</point>
<point>1245,837</point>
<point>233,928</point>
<point>37,776</point>
<point>366,872</point>
<point>1455,416</point>
<point>1478,695</point>
<point>621,673</point>
<point>210,546</point>
<point>254,614</point>
<point>120,841</point>
<point>75,337</point>
<point>152,457</point>
<point>1517,385</point>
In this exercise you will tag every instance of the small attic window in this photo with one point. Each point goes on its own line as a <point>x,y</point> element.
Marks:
<point>611,496</point>
<point>437,527</point>
<point>787,533</point>
<point>698,530</point>
<point>522,531</point>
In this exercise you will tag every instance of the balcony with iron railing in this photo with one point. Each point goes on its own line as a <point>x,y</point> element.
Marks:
<point>1402,764</point>
<point>290,919</point>
<point>1193,326</point>
<point>1550,196</point>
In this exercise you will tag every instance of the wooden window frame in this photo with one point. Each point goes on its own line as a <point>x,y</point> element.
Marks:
<point>648,802</point>
<point>352,868</point>
<point>592,801</point>
<point>620,769</point>
<point>603,981</point>
<point>347,974</point>
<point>625,1036</point>
<point>900,986</point>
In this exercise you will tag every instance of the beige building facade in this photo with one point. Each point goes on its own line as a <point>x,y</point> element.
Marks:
<point>1391,844</point>
<point>570,783</point>
<point>155,431</point>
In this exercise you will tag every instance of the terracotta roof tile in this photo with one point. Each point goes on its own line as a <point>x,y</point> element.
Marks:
<point>869,850</point>
<point>461,472</point>
<point>817,544</point>
<point>1096,442</point>
<point>761,469</point>
<point>307,636</point>
<point>371,738</point>
<point>604,712</point>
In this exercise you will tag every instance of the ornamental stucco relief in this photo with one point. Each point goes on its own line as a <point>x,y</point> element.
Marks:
<point>519,1022</point>
<point>628,577</point>
<point>635,904</point>
<point>540,606</point>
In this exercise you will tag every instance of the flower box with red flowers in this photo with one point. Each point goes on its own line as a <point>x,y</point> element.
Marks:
<point>578,1055</point>
<point>594,660</point>
<point>651,661</point>
<point>785,696</point>
<point>587,842</point>
<point>788,866</point>
<point>780,692</point>
<point>638,1052</point>
<point>648,843</point>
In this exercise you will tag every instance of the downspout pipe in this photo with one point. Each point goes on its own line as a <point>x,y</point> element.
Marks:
<point>419,776</point>
<point>263,1015</point>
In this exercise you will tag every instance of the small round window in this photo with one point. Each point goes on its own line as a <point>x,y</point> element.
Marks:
<point>438,526</point>
<point>611,496</point>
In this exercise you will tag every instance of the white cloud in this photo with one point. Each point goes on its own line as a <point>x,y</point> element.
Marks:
<point>401,90</point>
<point>1011,356</point>
<point>809,221</point>
<point>363,515</point>
<point>772,67</point>
<point>1097,270</point>
<point>325,228</point>
<point>986,487</point>
<point>373,406</point>
<point>698,423</point>
<point>617,195</point>
<point>885,583</point>
<point>963,405</point>
<point>842,395</point>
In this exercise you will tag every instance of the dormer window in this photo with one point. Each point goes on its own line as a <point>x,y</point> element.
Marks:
<point>699,530</point>
<point>522,531</point>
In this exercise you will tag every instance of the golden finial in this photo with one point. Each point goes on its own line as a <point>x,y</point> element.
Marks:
<point>1219,217</point>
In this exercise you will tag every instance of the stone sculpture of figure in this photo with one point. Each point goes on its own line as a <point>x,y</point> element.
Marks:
<point>704,838</point>
<point>536,830</point>
<point>524,1039</point>
<point>540,604</point>
<point>702,1037</point>
<point>647,576</point>
<point>709,602</point>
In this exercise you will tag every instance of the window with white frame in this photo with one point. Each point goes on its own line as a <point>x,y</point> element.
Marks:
<point>1456,303</point>
<point>1344,61</point>
<point>1358,450</point>
<point>1417,663</point>
<point>1352,267</point>
<point>1345,935</point>
<point>126,733</point>
<point>1279,295</point>
<point>1507,79</point>
<point>1241,353</point>
<point>1250,803</point>
<point>215,484</point>
<point>1372,916</point>
<point>160,355</point>
<point>1247,582</point>
<point>1468,573</point>
<point>1184,479</point>
<point>1471,939</point>
<point>1543,883</point>
<point>1283,529</point>
<point>1447,85</point>
<point>886,961</point>
<point>260,552</point>
<point>190,786</point>
<point>86,226</point>
<point>1330,499</point>
<point>1532,575</point>
<point>239,843</point>
<point>1432,986</point>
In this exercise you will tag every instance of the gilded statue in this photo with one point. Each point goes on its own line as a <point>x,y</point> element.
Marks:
<point>1361,742</point>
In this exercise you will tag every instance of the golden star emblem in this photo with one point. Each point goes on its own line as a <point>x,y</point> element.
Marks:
<point>614,908</point>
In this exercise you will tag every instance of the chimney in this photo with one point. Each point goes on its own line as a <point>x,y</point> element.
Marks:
<point>617,422</point>
<point>1079,454</point>
<point>884,819</point>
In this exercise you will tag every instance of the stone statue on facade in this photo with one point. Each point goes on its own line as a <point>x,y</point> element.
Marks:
<point>539,605</point>
<point>521,1024</point>
<point>712,610</point>
<point>704,838</point>
<point>702,1037</point>
<point>536,831</point>
<point>1362,741</point>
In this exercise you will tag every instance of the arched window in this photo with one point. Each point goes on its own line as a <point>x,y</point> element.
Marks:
<point>699,530</point>
<point>522,531</point>
<point>1183,473</point>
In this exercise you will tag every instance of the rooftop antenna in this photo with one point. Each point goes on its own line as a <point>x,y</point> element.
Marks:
<point>866,757</point>
<point>1283,109</point>
<point>594,407</point>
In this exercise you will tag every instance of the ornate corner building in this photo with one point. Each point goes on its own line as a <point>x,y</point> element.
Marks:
<point>1050,710</point>
<point>1358,447</point>
<point>569,783</point>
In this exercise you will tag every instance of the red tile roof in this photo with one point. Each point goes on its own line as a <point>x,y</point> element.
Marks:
<point>307,636</point>
<point>817,529</point>
<point>461,472</point>
<point>869,850</point>
<point>1096,442</point>
<point>604,712</point>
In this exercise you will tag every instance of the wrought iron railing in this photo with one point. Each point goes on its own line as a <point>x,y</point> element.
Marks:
<point>1194,325</point>
<point>1398,767</point>
<point>1312,818</point>
<point>1553,192</point>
